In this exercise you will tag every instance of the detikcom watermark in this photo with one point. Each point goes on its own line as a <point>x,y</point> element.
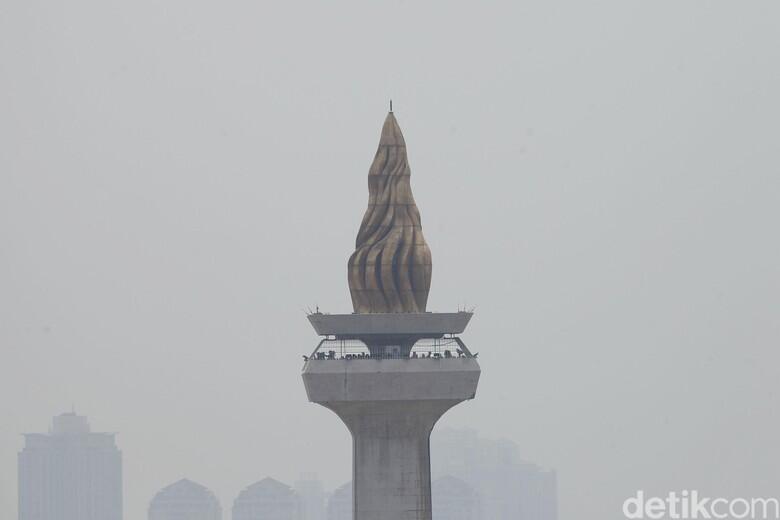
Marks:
<point>686,505</point>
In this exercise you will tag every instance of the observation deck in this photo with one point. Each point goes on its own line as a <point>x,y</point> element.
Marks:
<point>390,357</point>
<point>390,335</point>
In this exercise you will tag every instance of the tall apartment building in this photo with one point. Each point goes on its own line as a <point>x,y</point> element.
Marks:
<point>70,473</point>
<point>453,499</point>
<point>340,503</point>
<point>509,488</point>
<point>312,494</point>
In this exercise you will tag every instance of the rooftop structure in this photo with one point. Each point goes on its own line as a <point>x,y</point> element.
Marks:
<point>185,499</point>
<point>267,499</point>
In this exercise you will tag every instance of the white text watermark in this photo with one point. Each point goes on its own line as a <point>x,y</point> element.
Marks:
<point>691,505</point>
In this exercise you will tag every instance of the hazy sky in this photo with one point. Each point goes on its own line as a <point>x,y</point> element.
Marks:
<point>601,180</point>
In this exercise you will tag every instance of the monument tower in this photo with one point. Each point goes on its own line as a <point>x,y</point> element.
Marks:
<point>390,369</point>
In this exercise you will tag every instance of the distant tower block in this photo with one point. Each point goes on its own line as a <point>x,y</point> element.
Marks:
<point>70,473</point>
<point>390,370</point>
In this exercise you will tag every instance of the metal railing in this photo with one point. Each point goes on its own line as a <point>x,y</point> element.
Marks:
<point>339,349</point>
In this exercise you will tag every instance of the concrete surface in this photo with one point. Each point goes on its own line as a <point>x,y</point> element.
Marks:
<point>419,324</point>
<point>390,406</point>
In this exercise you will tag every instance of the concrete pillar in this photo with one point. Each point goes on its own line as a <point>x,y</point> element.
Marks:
<point>391,467</point>
<point>390,407</point>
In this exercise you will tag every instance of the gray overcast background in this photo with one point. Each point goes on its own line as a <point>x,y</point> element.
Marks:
<point>600,179</point>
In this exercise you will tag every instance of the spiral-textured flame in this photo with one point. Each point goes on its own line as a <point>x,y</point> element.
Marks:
<point>390,270</point>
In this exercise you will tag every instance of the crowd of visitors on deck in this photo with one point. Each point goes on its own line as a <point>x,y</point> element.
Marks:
<point>334,355</point>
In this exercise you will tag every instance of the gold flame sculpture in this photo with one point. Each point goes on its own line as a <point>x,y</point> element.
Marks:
<point>390,270</point>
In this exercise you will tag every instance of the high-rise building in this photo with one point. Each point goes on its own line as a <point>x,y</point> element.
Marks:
<point>509,487</point>
<point>312,494</point>
<point>267,499</point>
<point>70,473</point>
<point>390,369</point>
<point>340,503</point>
<point>185,500</point>
<point>453,499</point>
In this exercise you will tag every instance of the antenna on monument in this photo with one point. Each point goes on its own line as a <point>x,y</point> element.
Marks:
<point>391,106</point>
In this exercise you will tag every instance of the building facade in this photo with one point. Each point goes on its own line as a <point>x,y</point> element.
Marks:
<point>312,494</point>
<point>70,473</point>
<point>453,499</point>
<point>185,500</point>
<point>508,487</point>
<point>340,503</point>
<point>267,499</point>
